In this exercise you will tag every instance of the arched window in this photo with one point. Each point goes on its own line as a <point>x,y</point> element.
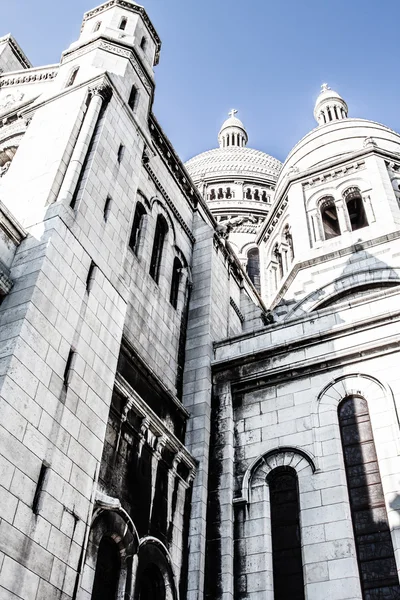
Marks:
<point>108,569</point>
<point>264,197</point>
<point>151,584</point>
<point>285,530</point>
<point>158,245</point>
<point>123,23</point>
<point>176,279</point>
<point>143,43</point>
<point>97,26</point>
<point>278,258</point>
<point>228,193</point>
<point>355,208</point>
<point>212,194</point>
<point>132,98</point>
<point>287,234</point>
<point>248,194</point>
<point>137,227</point>
<point>72,77</point>
<point>220,193</point>
<point>378,572</point>
<point>330,221</point>
<point>256,195</point>
<point>253,267</point>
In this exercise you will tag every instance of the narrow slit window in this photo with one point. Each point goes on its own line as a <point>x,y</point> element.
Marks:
<point>330,221</point>
<point>39,488</point>
<point>97,26</point>
<point>175,282</point>
<point>123,23</point>
<point>72,77</point>
<point>133,98</point>
<point>108,570</point>
<point>121,152</point>
<point>355,209</point>
<point>137,227</point>
<point>279,260</point>
<point>107,208</point>
<point>90,277</point>
<point>253,267</point>
<point>68,366</point>
<point>158,245</point>
<point>143,43</point>
<point>287,561</point>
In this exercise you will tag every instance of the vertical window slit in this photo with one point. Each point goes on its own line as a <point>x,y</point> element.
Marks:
<point>39,488</point>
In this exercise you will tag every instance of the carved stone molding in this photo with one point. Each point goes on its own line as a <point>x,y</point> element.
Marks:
<point>103,90</point>
<point>35,77</point>
<point>333,174</point>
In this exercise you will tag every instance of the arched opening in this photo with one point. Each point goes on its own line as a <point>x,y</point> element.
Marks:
<point>264,197</point>
<point>137,227</point>
<point>248,194</point>
<point>123,23</point>
<point>328,110</point>
<point>158,245</point>
<point>212,194</point>
<point>278,258</point>
<point>132,98</point>
<point>108,567</point>
<point>97,26</point>
<point>175,281</point>
<point>330,221</point>
<point>287,234</point>
<point>228,193</point>
<point>220,193</point>
<point>72,77</point>
<point>355,208</point>
<point>151,584</point>
<point>285,530</point>
<point>253,267</point>
<point>143,43</point>
<point>256,195</point>
<point>378,572</point>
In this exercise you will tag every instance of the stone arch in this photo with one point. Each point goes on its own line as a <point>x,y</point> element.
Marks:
<point>153,554</point>
<point>158,207</point>
<point>321,297</point>
<point>259,469</point>
<point>110,521</point>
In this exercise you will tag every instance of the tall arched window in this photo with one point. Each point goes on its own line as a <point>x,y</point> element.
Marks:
<point>212,194</point>
<point>108,567</point>
<point>253,267</point>
<point>287,234</point>
<point>248,194</point>
<point>72,77</point>
<point>175,281</point>
<point>378,572</point>
<point>97,26</point>
<point>330,221</point>
<point>355,208</point>
<point>220,193</point>
<point>278,258</point>
<point>137,227</point>
<point>256,195</point>
<point>285,529</point>
<point>123,23</point>
<point>143,43</point>
<point>159,239</point>
<point>151,584</point>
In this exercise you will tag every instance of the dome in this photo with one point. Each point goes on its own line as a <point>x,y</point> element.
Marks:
<point>232,122</point>
<point>329,106</point>
<point>233,162</point>
<point>337,139</point>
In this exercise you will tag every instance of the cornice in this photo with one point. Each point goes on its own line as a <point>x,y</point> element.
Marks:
<point>17,50</point>
<point>133,8</point>
<point>32,76</point>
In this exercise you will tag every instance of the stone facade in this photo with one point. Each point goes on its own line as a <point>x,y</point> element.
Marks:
<point>174,423</point>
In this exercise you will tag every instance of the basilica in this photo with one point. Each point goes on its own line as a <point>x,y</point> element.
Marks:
<point>198,374</point>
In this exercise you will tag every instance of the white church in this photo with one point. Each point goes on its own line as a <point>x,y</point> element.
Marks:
<point>199,396</point>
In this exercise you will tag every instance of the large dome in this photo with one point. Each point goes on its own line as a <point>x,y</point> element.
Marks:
<point>233,161</point>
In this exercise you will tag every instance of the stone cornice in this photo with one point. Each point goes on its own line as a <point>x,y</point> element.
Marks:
<point>326,361</point>
<point>133,8</point>
<point>17,50</point>
<point>29,76</point>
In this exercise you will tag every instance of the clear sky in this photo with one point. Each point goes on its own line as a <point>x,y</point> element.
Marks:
<point>267,59</point>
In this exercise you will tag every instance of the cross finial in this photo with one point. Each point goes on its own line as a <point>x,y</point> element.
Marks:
<point>325,87</point>
<point>233,112</point>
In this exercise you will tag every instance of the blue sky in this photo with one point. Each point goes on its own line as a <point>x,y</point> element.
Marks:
<point>267,59</point>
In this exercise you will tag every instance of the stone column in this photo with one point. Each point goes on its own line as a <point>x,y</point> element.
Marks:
<point>99,94</point>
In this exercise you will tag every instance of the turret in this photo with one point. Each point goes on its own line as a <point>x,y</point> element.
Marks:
<point>329,106</point>
<point>232,132</point>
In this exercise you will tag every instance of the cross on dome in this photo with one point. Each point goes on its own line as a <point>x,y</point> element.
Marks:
<point>232,132</point>
<point>233,112</point>
<point>325,87</point>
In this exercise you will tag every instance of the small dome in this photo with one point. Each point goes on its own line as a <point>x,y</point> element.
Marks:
<point>232,122</point>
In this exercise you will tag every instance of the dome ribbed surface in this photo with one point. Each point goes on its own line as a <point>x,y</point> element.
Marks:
<point>233,161</point>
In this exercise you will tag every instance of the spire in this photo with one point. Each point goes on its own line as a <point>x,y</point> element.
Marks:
<point>232,132</point>
<point>329,106</point>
